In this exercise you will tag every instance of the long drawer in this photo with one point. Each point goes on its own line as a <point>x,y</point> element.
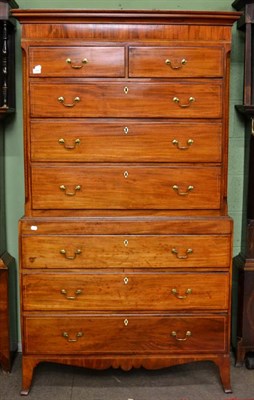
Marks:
<point>125,251</point>
<point>125,291</point>
<point>174,61</point>
<point>125,141</point>
<point>85,61</point>
<point>126,334</point>
<point>127,99</point>
<point>125,187</point>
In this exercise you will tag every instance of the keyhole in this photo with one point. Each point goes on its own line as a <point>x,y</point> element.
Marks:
<point>126,90</point>
<point>126,130</point>
<point>126,174</point>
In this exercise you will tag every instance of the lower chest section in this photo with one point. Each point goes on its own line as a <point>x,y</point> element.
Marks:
<point>125,286</point>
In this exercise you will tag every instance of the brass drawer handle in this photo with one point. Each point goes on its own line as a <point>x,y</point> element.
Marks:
<point>189,189</point>
<point>61,100</point>
<point>76,66</point>
<point>69,147</point>
<point>177,64</point>
<point>77,292</point>
<point>65,189</point>
<point>175,142</point>
<point>66,336</point>
<point>187,335</point>
<point>177,101</point>
<point>76,253</point>
<point>178,296</point>
<point>182,257</point>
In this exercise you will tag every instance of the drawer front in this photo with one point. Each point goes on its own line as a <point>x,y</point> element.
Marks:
<point>129,291</point>
<point>125,187</point>
<point>77,61</point>
<point>127,99</point>
<point>127,251</point>
<point>174,62</point>
<point>125,141</point>
<point>125,334</point>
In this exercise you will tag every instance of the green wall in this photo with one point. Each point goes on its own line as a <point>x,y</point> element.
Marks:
<point>13,132</point>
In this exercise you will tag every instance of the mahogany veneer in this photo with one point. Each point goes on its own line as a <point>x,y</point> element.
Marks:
<point>126,246</point>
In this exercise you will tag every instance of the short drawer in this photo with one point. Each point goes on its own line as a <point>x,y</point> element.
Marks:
<point>174,62</point>
<point>125,187</point>
<point>127,99</point>
<point>125,251</point>
<point>126,334</point>
<point>125,291</point>
<point>85,61</point>
<point>125,141</point>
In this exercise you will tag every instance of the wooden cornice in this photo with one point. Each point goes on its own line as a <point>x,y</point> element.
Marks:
<point>124,16</point>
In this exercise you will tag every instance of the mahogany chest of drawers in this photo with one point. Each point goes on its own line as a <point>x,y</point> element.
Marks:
<point>125,246</point>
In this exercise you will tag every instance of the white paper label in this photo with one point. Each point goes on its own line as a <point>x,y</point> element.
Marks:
<point>37,69</point>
